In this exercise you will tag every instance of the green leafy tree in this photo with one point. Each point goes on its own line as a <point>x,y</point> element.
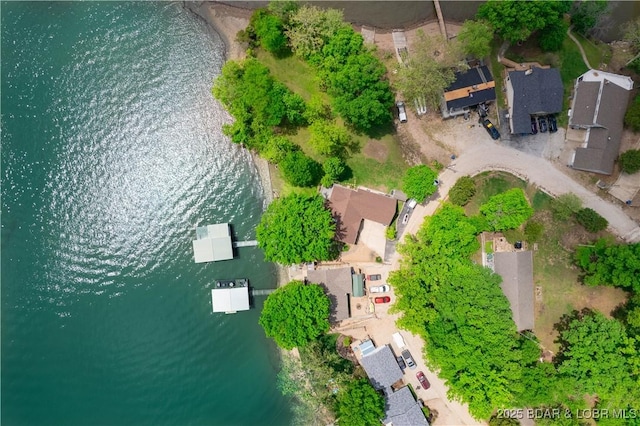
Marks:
<point>632,116</point>
<point>277,149</point>
<point>317,110</point>
<point>591,220</point>
<point>419,182</point>
<point>359,404</point>
<point>475,38</point>
<point>565,206</point>
<point>515,20</point>
<point>428,71</point>
<point>552,36</point>
<point>300,170</point>
<point>310,28</point>
<point>283,9</point>
<point>507,210</point>
<point>269,31</point>
<point>462,191</point>
<point>607,264</point>
<point>295,108</point>
<point>295,314</point>
<point>296,229</point>
<point>331,140</point>
<point>334,168</point>
<point>585,15</point>
<point>630,161</point>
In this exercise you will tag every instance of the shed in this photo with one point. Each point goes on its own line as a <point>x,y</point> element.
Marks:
<point>357,285</point>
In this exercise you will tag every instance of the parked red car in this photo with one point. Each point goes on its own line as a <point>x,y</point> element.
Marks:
<point>423,380</point>
<point>383,299</point>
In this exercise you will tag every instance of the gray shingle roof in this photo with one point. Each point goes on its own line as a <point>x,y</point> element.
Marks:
<point>337,284</point>
<point>607,105</point>
<point>516,270</point>
<point>401,409</point>
<point>536,93</point>
<point>381,367</point>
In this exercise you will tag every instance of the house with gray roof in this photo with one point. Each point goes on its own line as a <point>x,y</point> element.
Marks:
<point>382,368</point>
<point>599,103</point>
<point>402,409</point>
<point>516,270</point>
<point>531,93</point>
<point>338,285</point>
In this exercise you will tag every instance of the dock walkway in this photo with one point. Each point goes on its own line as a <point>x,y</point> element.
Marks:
<point>262,292</point>
<point>250,243</point>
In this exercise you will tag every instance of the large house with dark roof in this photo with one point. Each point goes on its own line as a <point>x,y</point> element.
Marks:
<point>599,104</point>
<point>470,88</point>
<point>401,408</point>
<point>531,93</point>
<point>382,368</point>
<point>338,286</point>
<point>516,270</point>
<point>352,207</point>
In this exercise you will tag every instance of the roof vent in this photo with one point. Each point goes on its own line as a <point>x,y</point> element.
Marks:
<point>528,72</point>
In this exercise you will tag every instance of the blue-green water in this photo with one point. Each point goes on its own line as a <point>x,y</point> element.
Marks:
<point>111,154</point>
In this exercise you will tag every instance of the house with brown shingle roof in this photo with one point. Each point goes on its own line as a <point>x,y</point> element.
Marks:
<point>351,208</point>
<point>599,103</point>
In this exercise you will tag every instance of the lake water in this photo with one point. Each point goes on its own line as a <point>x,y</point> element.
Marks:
<point>111,154</point>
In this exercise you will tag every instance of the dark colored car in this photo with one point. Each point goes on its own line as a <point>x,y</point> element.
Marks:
<point>409,359</point>
<point>401,363</point>
<point>534,126</point>
<point>374,277</point>
<point>383,299</point>
<point>423,380</point>
<point>542,123</point>
<point>491,129</point>
<point>553,125</point>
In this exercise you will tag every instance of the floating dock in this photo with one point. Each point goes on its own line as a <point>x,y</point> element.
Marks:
<point>230,296</point>
<point>213,243</point>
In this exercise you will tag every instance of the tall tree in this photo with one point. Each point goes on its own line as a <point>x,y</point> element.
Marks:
<point>507,210</point>
<point>609,264</point>
<point>585,15</point>
<point>296,229</point>
<point>475,38</point>
<point>295,314</point>
<point>419,182</point>
<point>359,404</point>
<point>300,170</point>
<point>310,28</point>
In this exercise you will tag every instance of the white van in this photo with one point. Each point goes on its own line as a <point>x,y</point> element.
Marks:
<point>398,340</point>
<point>402,112</point>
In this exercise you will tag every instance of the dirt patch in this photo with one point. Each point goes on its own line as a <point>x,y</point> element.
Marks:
<point>376,150</point>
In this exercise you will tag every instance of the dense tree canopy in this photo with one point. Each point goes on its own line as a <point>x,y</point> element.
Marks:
<point>419,182</point>
<point>609,264</point>
<point>515,20</point>
<point>311,27</point>
<point>553,35</point>
<point>591,220</point>
<point>462,191</point>
<point>300,170</point>
<point>585,15</point>
<point>269,31</point>
<point>507,210</point>
<point>296,229</point>
<point>331,140</point>
<point>295,314</point>
<point>334,169</point>
<point>475,38</point>
<point>359,404</point>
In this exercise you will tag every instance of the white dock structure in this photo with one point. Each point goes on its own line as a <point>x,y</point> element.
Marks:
<point>213,243</point>
<point>250,243</point>
<point>230,296</point>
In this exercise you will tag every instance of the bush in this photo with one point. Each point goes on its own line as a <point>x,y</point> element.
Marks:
<point>462,191</point>
<point>391,232</point>
<point>418,182</point>
<point>630,161</point>
<point>269,31</point>
<point>300,170</point>
<point>533,231</point>
<point>565,206</point>
<point>632,117</point>
<point>591,220</point>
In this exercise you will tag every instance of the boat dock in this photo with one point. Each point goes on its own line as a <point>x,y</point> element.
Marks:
<point>262,291</point>
<point>250,243</point>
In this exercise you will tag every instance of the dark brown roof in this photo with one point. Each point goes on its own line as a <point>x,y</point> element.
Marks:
<point>350,207</point>
<point>603,139</point>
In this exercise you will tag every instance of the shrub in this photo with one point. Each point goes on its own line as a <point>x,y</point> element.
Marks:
<point>462,191</point>
<point>391,232</point>
<point>269,31</point>
<point>630,161</point>
<point>300,170</point>
<point>632,117</point>
<point>591,220</point>
<point>565,205</point>
<point>533,231</point>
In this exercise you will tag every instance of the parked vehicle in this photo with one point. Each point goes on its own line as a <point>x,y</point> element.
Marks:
<point>411,203</point>
<point>405,219</point>
<point>401,363</point>
<point>553,124</point>
<point>383,299</point>
<point>542,123</point>
<point>491,129</point>
<point>409,359</point>
<point>374,277</point>
<point>402,112</point>
<point>398,340</point>
<point>379,289</point>
<point>423,380</point>
<point>534,126</point>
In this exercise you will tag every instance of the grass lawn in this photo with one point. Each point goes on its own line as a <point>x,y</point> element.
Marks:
<point>597,53</point>
<point>556,278</point>
<point>379,164</point>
